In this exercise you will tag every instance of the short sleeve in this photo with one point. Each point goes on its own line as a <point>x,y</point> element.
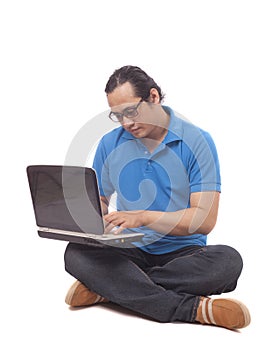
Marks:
<point>99,165</point>
<point>204,168</point>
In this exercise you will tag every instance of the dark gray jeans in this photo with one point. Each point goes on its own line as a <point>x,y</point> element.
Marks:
<point>164,287</point>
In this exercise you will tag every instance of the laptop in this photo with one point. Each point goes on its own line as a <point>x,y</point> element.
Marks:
<point>67,206</point>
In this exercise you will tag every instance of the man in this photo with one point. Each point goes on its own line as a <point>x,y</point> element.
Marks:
<point>165,173</point>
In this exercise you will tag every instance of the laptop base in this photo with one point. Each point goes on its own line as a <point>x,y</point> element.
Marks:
<point>84,239</point>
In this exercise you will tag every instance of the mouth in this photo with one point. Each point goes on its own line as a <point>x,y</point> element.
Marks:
<point>134,129</point>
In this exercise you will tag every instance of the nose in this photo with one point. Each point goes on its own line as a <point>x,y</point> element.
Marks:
<point>127,121</point>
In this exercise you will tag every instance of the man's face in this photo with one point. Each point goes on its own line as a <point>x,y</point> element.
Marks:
<point>122,100</point>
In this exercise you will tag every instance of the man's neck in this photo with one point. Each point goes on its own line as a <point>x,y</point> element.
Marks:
<point>158,134</point>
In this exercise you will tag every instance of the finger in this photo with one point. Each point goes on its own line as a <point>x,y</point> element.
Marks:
<point>109,228</point>
<point>109,217</point>
<point>105,222</point>
<point>112,215</point>
<point>119,230</point>
<point>116,221</point>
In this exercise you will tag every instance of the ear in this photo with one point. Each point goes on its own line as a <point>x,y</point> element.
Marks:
<point>154,96</point>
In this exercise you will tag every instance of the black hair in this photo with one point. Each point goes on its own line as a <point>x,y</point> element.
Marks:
<point>141,81</point>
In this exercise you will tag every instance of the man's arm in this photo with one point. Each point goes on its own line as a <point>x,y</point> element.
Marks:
<point>104,204</point>
<point>199,218</point>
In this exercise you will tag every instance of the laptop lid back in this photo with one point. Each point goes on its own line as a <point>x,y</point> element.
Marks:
<point>66,198</point>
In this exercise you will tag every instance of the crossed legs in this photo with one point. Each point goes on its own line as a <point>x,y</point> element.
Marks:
<point>165,287</point>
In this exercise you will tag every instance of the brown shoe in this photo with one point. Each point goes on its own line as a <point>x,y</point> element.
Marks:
<point>228,313</point>
<point>80,295</point>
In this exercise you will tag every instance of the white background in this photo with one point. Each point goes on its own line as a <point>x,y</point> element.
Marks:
<point>218,63</point>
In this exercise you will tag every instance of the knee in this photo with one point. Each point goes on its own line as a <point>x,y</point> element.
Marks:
<point>69,251</point>
<point>71,256</point>
<point>233,260</point>
<point>77,256</point>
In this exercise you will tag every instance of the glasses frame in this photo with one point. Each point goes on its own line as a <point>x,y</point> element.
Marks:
<point>118,117</point>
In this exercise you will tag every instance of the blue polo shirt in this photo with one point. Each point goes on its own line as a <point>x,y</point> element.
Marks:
<point>186,161</point>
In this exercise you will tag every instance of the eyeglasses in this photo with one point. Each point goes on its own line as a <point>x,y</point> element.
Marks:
<point>129,112</point>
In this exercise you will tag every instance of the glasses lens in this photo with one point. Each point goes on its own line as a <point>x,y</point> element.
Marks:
<point>115,117</point>
<point>131,112</point>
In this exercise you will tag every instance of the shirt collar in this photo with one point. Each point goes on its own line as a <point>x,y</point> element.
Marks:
<point>175,128</point>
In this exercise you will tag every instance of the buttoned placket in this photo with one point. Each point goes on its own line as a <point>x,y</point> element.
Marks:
<point>149,156</point>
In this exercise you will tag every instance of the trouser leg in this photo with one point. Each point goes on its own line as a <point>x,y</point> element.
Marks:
<point>204,271</point>
<point>118,275</point>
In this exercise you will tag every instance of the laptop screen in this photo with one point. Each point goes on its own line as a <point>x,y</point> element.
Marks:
<point>66,198</point>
